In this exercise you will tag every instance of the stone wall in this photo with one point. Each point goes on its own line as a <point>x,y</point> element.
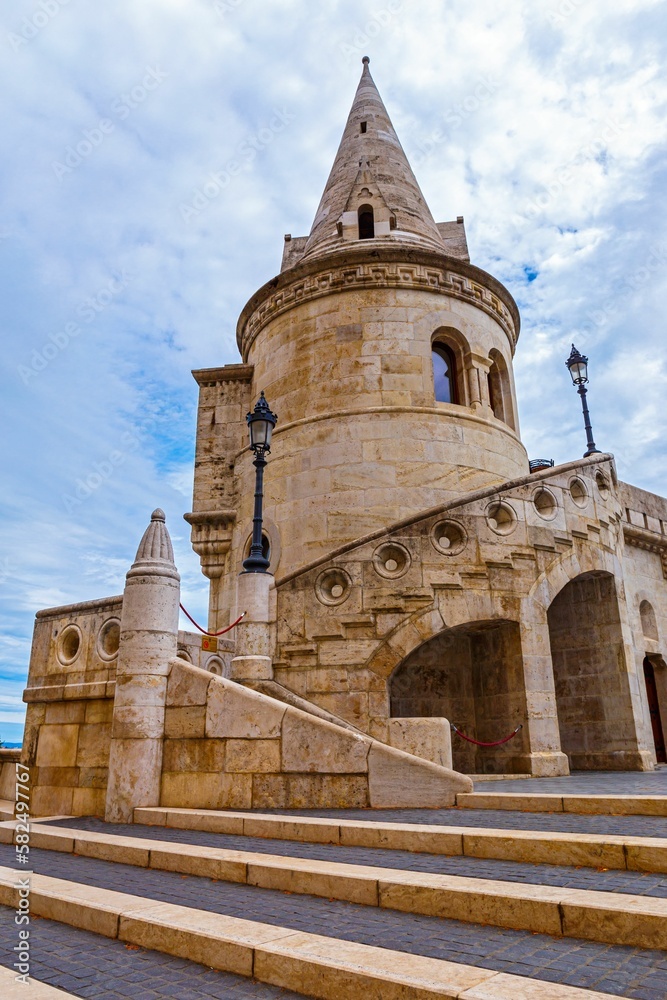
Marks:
<point>592,688</point>
<point>71,683</point>
<point>502,554</point>
<point>227,746</point>
<point>70,696</point>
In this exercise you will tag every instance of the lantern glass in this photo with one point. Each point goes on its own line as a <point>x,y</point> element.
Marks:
<point>261,422</point>
<point>260,433</point>
<point>578,367</point>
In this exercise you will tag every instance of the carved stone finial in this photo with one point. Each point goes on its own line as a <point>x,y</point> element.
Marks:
<point>155,553</point>
<point>366,60</point>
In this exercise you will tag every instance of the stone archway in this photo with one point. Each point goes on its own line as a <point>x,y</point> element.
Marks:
<point>593,701</point>
<point>471,675</point>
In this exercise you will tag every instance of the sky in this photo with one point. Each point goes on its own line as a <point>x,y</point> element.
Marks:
<point>154,154</point>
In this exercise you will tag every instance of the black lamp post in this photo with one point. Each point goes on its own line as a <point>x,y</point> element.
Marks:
<point>260,426</point>
<point>578,368</point>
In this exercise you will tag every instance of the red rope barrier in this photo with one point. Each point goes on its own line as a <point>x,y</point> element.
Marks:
<point>203,630</point>
<point>480,743</point>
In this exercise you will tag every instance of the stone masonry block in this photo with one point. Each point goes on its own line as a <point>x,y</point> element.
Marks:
<point>187,685</point>
<point>182,723</point>
<point>235,712</point>
<point>57,745</point>
<point>398,780</point>
<point>311,744</point>
<point>253,755</point>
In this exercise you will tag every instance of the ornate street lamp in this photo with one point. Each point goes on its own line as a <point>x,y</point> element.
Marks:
<point>578,367</point>
<point>260,427</point>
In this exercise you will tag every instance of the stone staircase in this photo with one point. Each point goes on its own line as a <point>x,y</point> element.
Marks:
<point>508,896</point>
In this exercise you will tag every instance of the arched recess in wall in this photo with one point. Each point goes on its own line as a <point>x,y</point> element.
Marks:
<point>593,699</point>
<point>366,222</point>
<point>500,389</point>
<point>472,675</point>
<point>649,622</point>
<point>448,351</point>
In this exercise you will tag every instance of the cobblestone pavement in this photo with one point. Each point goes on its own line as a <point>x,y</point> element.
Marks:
<point>640,883</point>
<point>95,967</point>
<point>586,783</point>
<point>628,972</point>
<point>500,819</point>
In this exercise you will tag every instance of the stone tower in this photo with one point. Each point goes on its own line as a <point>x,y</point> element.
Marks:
<point>387,357</point>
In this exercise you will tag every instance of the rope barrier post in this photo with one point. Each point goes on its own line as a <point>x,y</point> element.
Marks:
<point>252,661</point>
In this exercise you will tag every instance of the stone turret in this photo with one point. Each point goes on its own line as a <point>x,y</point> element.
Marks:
<point>348,343</point>
<point>148,641</point>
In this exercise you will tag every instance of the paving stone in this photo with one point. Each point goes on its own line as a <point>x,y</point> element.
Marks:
<point>585,783</point>
<point>485,947</point>
<point>116,971</point>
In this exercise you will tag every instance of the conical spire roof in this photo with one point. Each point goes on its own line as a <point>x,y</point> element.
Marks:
<point>371,159</point>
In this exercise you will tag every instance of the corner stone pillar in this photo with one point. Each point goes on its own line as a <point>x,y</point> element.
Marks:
<point>148,641</point>
<point>253,660</point>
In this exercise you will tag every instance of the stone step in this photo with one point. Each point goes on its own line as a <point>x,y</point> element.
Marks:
<point>609,917</point>
<point>534,847</point>
<point>12,988</point>
<point>605,805</point>
<point>6,810</point>
<point>325,967</point>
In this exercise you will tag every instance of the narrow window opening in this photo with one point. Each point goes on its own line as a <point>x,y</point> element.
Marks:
<point>444,374</point>
<point>363,128</point>
<point>366,223</point>
<point>493,401</point>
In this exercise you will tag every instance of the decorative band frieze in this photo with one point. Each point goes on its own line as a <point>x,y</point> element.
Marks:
<point>442,280</point>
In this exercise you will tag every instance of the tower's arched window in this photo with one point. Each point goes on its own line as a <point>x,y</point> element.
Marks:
<point>444,374</point>
<point>366,223</point>
<point>500,391</point>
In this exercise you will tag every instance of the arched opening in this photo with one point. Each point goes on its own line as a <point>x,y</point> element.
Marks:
<point>651,677</point>
<point>471,675</point>
<point>444,373</point>
<point>500,390</point>
<point>266,546</point>
<point>366,222</point>
<point>649,623</point>
<point>595,719</point>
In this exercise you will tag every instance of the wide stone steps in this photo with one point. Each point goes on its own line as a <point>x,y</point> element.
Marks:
<point>373,904</point>
<point>606,805</point>
<point>313,964</point>
<point>628,919</point>
<point>531,846</point>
